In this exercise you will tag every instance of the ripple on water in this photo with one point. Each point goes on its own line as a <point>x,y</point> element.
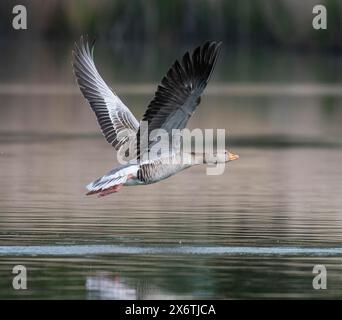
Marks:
<point>116,249</point>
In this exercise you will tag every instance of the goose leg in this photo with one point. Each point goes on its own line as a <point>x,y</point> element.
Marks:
<point>110,190</point>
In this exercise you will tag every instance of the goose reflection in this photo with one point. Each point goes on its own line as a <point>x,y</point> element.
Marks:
<point>109,286</point>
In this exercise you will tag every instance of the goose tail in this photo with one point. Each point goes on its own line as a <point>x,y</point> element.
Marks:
<point>113,181</point>
<point>106,185</point>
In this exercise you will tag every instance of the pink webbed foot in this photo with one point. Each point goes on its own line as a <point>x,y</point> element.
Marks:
<point>110,190</point>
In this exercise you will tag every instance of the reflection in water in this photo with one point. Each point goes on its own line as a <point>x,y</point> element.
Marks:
<point>114,287</point>
<point>109,287</point>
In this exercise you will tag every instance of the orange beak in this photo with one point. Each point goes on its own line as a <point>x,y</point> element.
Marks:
<point>232,156</point>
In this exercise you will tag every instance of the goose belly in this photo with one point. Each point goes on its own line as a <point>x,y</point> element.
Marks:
<point>154,172</point>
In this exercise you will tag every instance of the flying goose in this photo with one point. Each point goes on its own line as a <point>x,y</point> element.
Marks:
<point>174,102</point>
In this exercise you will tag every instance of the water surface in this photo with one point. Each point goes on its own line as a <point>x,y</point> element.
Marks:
<point>254,232</point>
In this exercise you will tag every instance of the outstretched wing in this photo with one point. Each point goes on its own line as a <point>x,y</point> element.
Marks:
<point>115,119</point>
<point>179,93</point>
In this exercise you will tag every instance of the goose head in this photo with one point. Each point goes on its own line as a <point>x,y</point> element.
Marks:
<point>220,157</point>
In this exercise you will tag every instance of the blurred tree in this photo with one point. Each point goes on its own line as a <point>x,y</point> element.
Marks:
<point>247,22</point>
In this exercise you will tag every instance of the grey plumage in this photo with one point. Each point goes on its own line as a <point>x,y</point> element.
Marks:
<point>174,102</point>
<point>179,93</point>
<point>115,119</point>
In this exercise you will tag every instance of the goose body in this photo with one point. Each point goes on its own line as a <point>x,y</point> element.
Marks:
<point>174,102</point>
<point>137,174</point>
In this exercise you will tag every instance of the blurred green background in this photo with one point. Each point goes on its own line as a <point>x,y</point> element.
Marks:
<point>264,41</point>
<point>248,22</point>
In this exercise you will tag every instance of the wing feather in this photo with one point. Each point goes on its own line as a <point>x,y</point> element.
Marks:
<point>115,119</point>
<point>179,93</point>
